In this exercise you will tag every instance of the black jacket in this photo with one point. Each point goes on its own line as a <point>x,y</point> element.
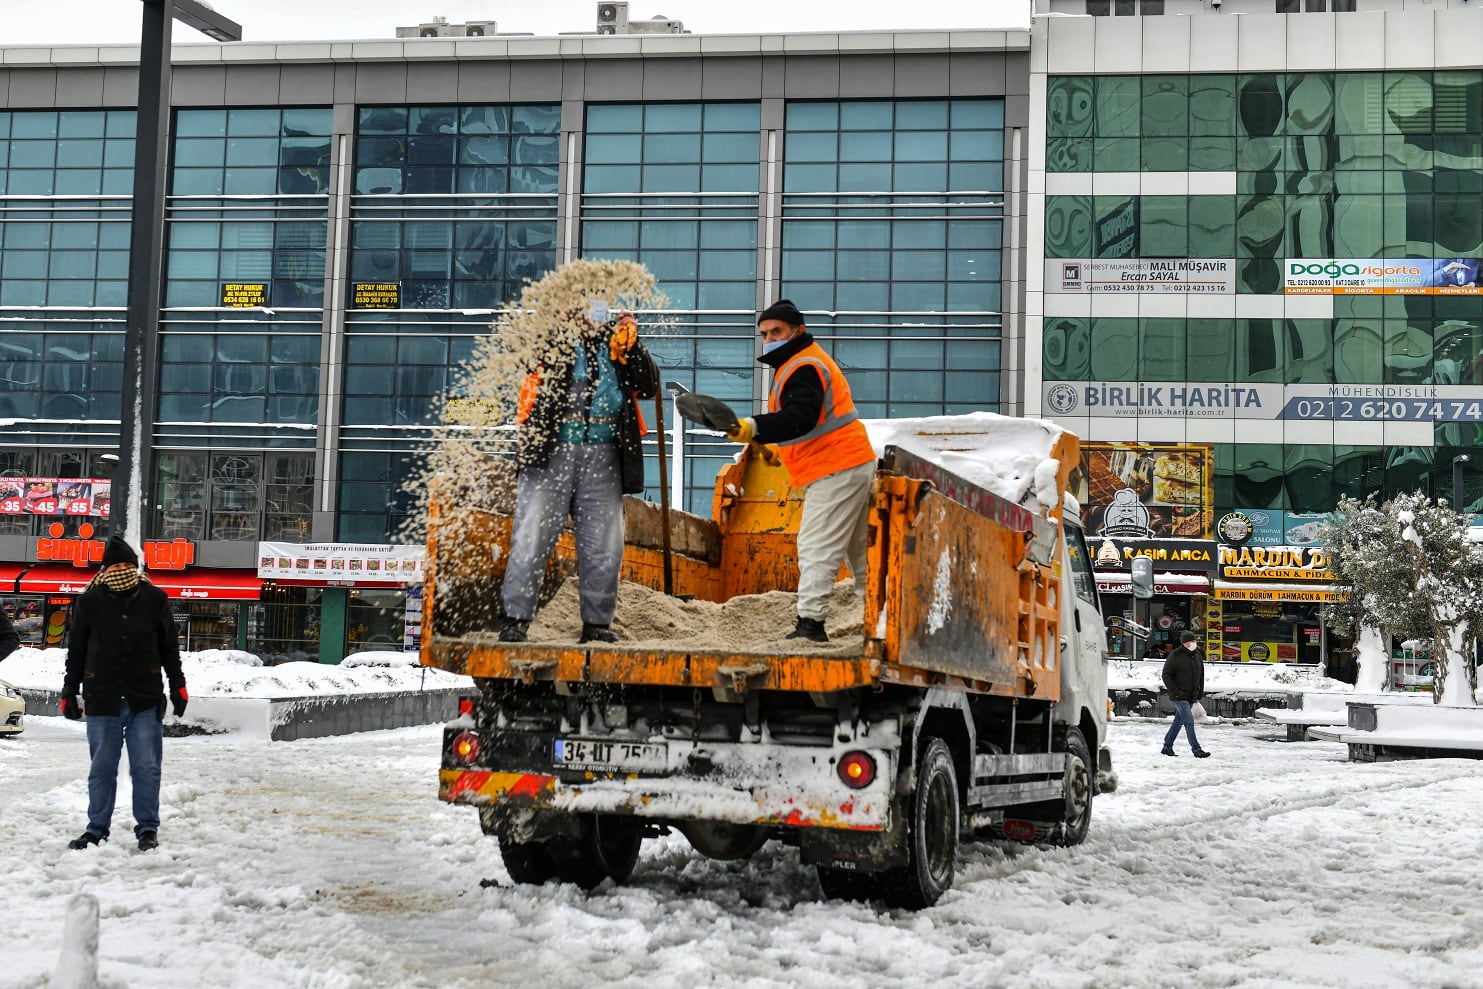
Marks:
<point>117,646</point>
<point>9,641</point>
<point>540,431</point>
<point>1184,675</point>
<point>801,401</point>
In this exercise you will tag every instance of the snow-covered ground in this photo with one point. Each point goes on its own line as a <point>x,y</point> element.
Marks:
<point>331,863</point>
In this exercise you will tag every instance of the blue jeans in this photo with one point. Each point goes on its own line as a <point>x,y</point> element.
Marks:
<point>1182,716</point>
<point>582,481</point>
<point>144,735</point>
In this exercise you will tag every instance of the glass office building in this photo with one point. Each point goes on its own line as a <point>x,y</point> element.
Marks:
<point>339,234</point>
<point>1261,283</point>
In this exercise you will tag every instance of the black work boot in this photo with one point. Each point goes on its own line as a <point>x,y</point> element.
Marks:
<point>597,633</point>
<point>84,840</point>
<point>811,629</point>
<point>514,629</point>
<point>148,841</point>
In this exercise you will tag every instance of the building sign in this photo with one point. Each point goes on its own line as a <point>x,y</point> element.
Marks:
<point>1189,555</point>
<point>1204,400</point>
<point>1269,527</point>
<point>244,295</point>
<point>1170,276</point>
<point>55,496</point>
<point>1146,490</point>
<point>1384,276</point>
<point>340,564</point>
<point>1278,563</point>
<point>1308,595</point>
<point>377,295</point>
<point>412,624</point>
<point>1116,234</point>
<point>85,551</point>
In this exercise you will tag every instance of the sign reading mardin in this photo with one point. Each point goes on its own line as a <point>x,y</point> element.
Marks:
<point>377,295</point>
<point>244,295</point>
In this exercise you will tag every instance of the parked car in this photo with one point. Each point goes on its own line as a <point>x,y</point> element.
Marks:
<point>12,710</point>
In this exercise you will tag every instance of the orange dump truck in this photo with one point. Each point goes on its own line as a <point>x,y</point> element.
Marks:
<point>972,705</point>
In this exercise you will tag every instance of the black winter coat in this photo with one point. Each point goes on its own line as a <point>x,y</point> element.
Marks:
<point>1184,675</point>
<point>539,433</point>
<point>9,640</point>
<point>117,647</point>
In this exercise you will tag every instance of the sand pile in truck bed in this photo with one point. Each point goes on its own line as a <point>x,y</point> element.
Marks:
<point>756,623</point>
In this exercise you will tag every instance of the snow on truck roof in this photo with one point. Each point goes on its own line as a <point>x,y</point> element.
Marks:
<point>1007,455</point>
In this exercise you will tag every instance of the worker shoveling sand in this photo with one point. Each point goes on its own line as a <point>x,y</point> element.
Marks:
<point>747,623</point>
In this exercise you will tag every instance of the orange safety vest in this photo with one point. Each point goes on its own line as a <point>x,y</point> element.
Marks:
<point>839,440</point>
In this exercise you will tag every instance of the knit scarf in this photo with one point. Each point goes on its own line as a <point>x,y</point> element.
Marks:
<point>120,581</point>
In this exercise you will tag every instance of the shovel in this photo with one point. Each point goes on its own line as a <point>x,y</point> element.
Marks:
<point>712,413</point>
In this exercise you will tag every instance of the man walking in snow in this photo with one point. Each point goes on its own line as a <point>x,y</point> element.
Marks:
<point>579,453</point>
<point>123,637</point>
<point>811,418</point>
<point>9,640</point>
<point>1184,679</point>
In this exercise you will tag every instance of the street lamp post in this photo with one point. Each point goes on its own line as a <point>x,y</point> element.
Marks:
<point>1457,463</point>
<point>146,251</point>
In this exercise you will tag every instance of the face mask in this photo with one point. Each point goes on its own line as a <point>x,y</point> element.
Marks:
<point>598,311</point>
<point>768,348</point>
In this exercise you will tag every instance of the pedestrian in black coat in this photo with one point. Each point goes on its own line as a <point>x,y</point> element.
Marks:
<point>9,640</point>
<point>121,641</point>
<point>1184,679</point>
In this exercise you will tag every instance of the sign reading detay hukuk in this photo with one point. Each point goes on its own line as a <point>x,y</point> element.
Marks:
<point>1160,275</point>
<point>377,295</point>
<point>243,295</point>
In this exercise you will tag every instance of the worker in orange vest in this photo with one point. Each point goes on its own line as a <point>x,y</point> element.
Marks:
<point>579,453</point>
<point>820,439</point>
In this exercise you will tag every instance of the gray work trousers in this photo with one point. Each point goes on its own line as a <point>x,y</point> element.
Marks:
<point>582,480</point>
<point>832,530</point>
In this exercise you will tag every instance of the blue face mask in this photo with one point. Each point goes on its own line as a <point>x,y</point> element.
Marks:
<point>768,348</point>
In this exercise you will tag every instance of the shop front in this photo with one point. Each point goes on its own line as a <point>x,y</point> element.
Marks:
<point>1182,569</point>
<point>1266,607</point>
<point>325,601</point>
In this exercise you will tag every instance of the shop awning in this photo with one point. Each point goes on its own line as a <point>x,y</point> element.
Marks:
<point>8,574</point>
<point>201,584</point>
<point>1227,590</point>
<point>56,578</point>
<point>204,584</point>
<point>1163,583</point>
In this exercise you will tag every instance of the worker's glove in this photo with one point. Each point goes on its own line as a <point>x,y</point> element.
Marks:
<point>625,335</point>
<point>769,454</point>
<point>71,709</point>
<point>743,431</point>
<point>178,697</point>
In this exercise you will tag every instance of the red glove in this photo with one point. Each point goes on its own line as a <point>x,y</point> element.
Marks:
<point>178,697</point>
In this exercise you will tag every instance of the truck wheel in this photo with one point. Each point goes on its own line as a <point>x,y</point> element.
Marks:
<point>847,884</point>
<point>1076,818</point>
<point>528,862</point>
<point>608,847</point>
<point>932,833</point>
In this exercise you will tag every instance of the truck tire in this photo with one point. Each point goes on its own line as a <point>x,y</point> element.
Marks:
<point>932,833</point>
<point>606,848</point>
<point>528,862</point>
<point>1076,818</point>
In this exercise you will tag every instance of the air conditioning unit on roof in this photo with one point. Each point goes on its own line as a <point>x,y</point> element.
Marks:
<point>479,29</point>
<point>612,17</point>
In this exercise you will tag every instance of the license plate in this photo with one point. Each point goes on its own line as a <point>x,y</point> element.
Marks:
<point>611,757</point>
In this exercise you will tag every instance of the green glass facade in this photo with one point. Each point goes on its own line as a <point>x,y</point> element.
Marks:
<point>1362,165</point>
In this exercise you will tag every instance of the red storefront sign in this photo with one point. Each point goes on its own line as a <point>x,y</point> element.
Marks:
<point>85,551</point>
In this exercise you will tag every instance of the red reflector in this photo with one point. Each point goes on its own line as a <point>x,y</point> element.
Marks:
<point>856,770</point>
<point>465,748</point>
<point>465,707</point>
<point>1019,830</point>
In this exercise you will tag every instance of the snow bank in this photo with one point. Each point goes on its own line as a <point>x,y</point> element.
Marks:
<point>1128,674</point>
<point>1009,456</point>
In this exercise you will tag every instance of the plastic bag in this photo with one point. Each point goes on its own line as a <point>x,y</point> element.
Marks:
<point>1197,711</point>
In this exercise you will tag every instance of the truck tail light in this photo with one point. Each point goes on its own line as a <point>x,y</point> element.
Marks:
<point>857,770</point>
<point>465,748</point>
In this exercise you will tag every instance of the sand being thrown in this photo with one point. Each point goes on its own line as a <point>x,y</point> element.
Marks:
<point>756,623</point>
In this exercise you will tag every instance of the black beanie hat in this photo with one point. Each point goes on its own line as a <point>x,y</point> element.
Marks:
<point>118,551</point>
<point>1186,638</point>
<point>785,310</point>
